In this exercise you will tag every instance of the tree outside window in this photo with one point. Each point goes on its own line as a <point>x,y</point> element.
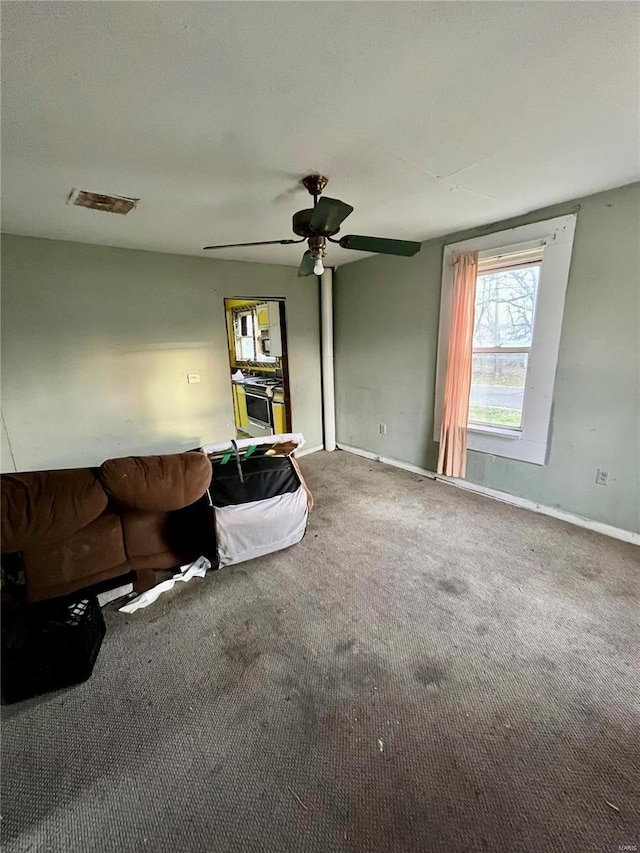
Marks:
<point>503,332</point>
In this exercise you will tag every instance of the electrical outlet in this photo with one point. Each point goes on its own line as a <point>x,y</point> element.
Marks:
<point>193,378</point>
<point>601,477</point>
<point>383,429</point>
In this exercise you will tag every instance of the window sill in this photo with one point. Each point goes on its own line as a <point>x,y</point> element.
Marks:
<point>501,432</point>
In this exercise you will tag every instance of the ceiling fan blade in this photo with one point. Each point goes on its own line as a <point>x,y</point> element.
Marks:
<point>328,215</point>
<point>261,243</point>
<point>307,264</point>
<point>383,245</point>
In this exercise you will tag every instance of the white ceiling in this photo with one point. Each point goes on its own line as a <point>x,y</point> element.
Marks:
<point>427,117</point>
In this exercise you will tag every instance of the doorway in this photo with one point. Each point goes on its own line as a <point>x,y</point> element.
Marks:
<point>258,365</point>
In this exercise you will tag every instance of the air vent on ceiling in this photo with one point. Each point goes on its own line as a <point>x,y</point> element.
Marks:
<point>98,201</point>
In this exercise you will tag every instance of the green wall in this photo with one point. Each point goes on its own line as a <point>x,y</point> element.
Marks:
<point>386,332</point>
<point>97,342</point>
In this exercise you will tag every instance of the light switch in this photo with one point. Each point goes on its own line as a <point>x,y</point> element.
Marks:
<point>193,378</point>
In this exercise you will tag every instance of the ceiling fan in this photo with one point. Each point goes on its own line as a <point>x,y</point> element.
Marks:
<point>319,223</point>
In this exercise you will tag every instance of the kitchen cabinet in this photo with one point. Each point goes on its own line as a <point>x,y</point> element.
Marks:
<point>275,331</point>
<point>242,421</point>
<point>269,333</point>
<point>279,412</point>
<point>279,418</point>
<point>262,313</point>
<point>236,410</point>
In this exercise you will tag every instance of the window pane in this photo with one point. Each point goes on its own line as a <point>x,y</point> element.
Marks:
<point>247,350</point>
<point>505,307</point>
<point>497,388</point>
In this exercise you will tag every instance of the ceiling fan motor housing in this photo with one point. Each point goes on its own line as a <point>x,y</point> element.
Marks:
<point>302,225</point>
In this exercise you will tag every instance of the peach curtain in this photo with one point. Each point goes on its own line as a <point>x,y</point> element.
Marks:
<point>452,459</point>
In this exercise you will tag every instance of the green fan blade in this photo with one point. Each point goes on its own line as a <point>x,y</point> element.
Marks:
<point>307,265</point>
<point>328,215</point>
<point>382,245</point>
<point>261,243</point>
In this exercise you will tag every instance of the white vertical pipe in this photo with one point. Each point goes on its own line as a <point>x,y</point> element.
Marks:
<point>328,390</point>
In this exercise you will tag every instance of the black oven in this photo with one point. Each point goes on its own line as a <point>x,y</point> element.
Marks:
<point>258,409</point>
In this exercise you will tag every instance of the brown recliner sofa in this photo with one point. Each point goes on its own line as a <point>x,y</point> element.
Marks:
<point>72,529</point>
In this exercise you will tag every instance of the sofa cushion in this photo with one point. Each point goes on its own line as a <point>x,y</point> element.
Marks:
<point>185,534</point>
<point>145,533</point>
<point>47,506</point>
<point>156,483</point>
<point>76,562</point>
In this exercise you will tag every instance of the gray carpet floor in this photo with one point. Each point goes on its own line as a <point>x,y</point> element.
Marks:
<point>429,670</point>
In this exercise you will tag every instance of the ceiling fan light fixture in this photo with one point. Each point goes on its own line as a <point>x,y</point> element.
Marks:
<point>318,267</point>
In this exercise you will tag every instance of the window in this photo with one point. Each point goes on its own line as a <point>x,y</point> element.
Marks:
<point>245,339</point>
<point>506,295</point>
<point>521,284</point>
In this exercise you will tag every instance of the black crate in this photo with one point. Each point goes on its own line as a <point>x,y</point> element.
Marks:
<point>49,645</point>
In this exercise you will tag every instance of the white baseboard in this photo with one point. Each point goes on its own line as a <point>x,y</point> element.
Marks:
<point>358,451</point>
<point>523,503</point>
<point>553,512</point>
<point>406,466</point>
<point>308,450</point>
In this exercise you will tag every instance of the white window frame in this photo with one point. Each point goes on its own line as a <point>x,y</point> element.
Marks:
<point>529,442</point>
<point>535,252</point>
